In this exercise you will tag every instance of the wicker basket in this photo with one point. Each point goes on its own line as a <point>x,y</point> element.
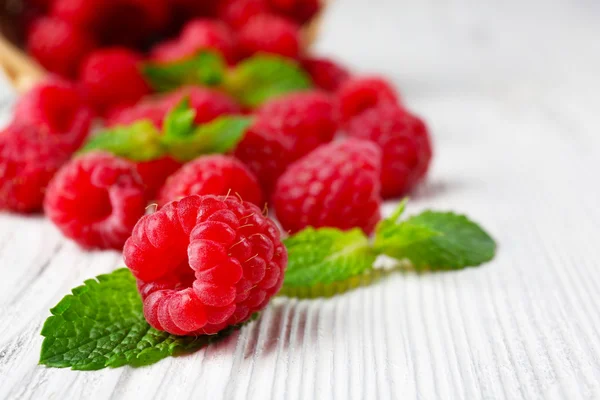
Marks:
<point>23,72</point>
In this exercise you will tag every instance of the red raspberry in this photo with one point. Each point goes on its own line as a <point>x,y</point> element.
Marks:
<point>336,185</point>
<point>268,33</point>
<point>112,20</point>
<point>56,108</point>
<point>325,73</point>
<point>405,144</point>
<point>199,34</point>
<point>286,129</point>
<point>204,263</point>
<point>236,13</point>
<point>360,94</point>
<point>154,173</point>
<point>216,174</point>
<point>208,103</point>
<point>299,10</point>
<point>112,78</point>
<point>96,200</point>
<point>58,46</point>
<point>27,163</point>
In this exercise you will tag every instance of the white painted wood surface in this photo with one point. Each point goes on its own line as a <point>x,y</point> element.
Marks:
<point>511,91</point>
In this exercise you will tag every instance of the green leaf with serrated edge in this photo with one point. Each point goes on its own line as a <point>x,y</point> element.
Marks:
<point>218,136</point>
<point>435,241</point>
<point>102,325</point>
<point>137,142</point>
<point>263,76</point>
<point>179,122</point>
<point>320,259</point>
<point>205,68</point>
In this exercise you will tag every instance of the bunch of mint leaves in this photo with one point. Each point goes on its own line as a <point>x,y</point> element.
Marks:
<point>101,324</point>
<point>180,137</point>
<point>251,82</point>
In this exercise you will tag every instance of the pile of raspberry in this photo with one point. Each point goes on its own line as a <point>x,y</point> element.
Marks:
<point>200,236</point>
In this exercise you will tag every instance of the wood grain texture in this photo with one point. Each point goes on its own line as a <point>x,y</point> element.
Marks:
<point>511,91</point>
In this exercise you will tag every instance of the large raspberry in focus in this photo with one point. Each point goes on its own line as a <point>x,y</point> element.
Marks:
<point>199,34</point>
<point>286,129</point>
<point>360,94</point>
<point>266,33</point>
<point>29,159</point>
<point>336,185</point>
<point>208,104</point>
<point>96,200</point>
<point>204,263</point>
<point>112,77</point>
<point>404,142</point>
<point>58,46</point>
<point>56,108</point>
<point>217,175</point>
<point>325,73</point>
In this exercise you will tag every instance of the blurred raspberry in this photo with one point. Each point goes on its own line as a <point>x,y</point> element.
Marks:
<point>198,34</point>
<point>236,13</point>
<point>58,46</point>
<point>154,173</point>
<point>112,78</point>
<point>325,73</point>
<point>360,94</point>
<point>301,11</point>
<point>405,144</point>
<point>269,34</point>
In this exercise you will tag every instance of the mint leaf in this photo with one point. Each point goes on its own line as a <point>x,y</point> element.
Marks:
<point>206,68</point>
<point>435,241</point>
<point>180,120</point>
<point>102,325</point>
<point>138,142</point>
<point>218,136</point>
<point>326,261</point>
<point>262,77</point>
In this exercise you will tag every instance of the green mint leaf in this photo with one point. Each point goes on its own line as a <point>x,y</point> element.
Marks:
<point>102,325</point>
<point>263,77</point>
<point>179,122</point>
<point>326,261</point>
<point>435,241</point>
<point>218,136</point>
<point>137,142</point>
<point>206,68</point>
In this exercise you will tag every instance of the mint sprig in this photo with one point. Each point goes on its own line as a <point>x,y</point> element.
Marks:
<point>206,68</point>
<point>326,261</point>
<point>180,138</point>
<point>101,324</point>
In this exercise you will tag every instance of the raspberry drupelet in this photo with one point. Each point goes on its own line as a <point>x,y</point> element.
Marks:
<point>357,95</point>
<point>204,263</point>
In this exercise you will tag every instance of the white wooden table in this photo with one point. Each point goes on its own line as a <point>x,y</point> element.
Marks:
<point>511,91</point>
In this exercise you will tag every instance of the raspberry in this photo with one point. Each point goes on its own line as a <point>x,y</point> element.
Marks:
<point>208,104</point>
<point>236,13</point>
<point>56,108</point>
<point>154,173</point>
<point>198,34</point>
<point>269,34</point>
<point>217,175</point>
<point>204,263</point>
<point>286,129</point>
<point>336,185</point>
<point>58,46</point>
<point>405,144</point>
<point>360,94</point>
<point>299,10</point>
<point>112,78</point>
<point>96,200</point>
<point>115,22</point>
<point>27,163</point>
<point>325,73</point>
